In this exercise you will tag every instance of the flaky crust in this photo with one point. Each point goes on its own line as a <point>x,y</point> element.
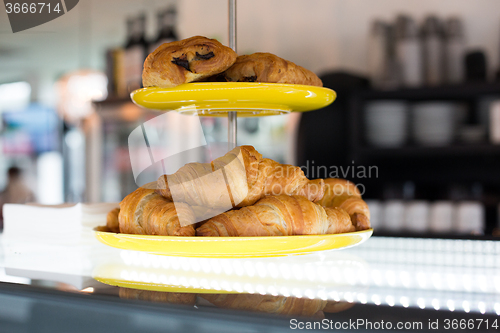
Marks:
<point>187,60</point>
<point>267,67</point>
<point>343,194</point>
<point>281,215</point>
<point>145,212</point>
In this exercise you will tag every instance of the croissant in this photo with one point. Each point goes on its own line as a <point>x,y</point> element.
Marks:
<point>187,60</point>
<point>112,220</point>
<point>281,215</point>
<point>344,194</point>
<point>148,213</point>
<point>238,179</point>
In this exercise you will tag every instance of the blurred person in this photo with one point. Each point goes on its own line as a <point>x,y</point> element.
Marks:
<point>16,191</point>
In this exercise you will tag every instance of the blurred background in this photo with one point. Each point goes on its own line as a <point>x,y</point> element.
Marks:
<point>416,124</point>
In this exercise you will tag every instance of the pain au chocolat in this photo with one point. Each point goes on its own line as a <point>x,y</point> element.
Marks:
<point>187,60</point>
<point>267,67</point>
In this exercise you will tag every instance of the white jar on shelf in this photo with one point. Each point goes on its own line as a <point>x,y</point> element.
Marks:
<point>470,218</point>
<point>376,218</point>
<point>441,217</point>
<point>417,216</point>
<point>393,215</point>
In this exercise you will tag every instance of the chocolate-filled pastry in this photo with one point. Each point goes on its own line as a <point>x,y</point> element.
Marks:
<point>267,67</point>
<point>187,60</point>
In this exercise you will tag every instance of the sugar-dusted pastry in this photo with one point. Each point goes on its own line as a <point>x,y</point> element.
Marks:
<point>240,178</point>
<point>187,60</point>
<point>267,67</point>
<point>344,194</point>
<point>145,212</point>
<point>281,215</point>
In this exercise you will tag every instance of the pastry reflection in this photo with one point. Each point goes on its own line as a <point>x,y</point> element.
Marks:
<point>290,306</point>
<point>279,305</point>
<point>158,296</point>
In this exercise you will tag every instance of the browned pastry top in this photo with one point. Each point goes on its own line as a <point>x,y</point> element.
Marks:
<point>267,67</point>
<point>187,60</point>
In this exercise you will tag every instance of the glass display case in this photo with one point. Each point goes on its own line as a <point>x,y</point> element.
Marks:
<point>64,278</point>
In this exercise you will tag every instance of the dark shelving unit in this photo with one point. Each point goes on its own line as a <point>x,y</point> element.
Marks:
<point>466,93</point>
<point>446,92</point>
<point>432,168</point>
<point>451,150</point>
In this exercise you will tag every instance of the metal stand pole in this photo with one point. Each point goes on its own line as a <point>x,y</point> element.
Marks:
<point>232,119</point>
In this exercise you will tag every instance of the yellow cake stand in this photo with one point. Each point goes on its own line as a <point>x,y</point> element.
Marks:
<point>233,247</point>
<point>247,99</point>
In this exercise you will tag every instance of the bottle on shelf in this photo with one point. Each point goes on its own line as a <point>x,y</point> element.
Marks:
<point>409,51</point>
<point>432,42</point>
<point>167,21</point>
<point>454,50</point>
<point>382,63</point>
<point>136,50</point>
<point>115,73</point>
<point>476,66</point>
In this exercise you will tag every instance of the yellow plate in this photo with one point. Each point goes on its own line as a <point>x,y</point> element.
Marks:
<point>232,247</point>
<point>249,99</point>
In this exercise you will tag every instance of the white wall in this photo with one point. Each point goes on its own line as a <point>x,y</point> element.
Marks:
<point>317,34</point>
<point>325,34</point>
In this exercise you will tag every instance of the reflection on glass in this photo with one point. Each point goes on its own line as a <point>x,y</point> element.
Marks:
<point>281,305</point>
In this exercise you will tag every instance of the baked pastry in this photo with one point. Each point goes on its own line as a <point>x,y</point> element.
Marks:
<point>145,212</point>
<point>112,223</point>
<point>238,179</point>
<point>187,60</point>
<point>344,194</point>
<point>267,67</point>
<point>281,215</point>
